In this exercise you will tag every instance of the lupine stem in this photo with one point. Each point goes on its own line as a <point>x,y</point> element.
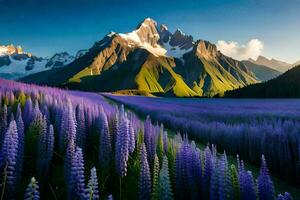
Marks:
<point>53,192</point>
<point>4,181</point>
<point>120,188</point>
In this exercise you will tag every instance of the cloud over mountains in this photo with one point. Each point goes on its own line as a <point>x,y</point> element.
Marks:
<point>252,49</point>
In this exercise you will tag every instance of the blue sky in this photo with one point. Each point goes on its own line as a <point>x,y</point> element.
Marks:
<point>44,27</point>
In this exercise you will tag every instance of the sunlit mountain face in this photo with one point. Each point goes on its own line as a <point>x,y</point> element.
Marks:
<point>151,59</point>
<point>149,100</point>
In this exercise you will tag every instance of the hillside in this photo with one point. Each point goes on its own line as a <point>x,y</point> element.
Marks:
<point>262,72</point>
<point>286,85</point>
<point>277,65</point>
<point>150,59</point>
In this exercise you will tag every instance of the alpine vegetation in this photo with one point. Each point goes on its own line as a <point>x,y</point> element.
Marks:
<point>250,128</point>
<point>79,146</point>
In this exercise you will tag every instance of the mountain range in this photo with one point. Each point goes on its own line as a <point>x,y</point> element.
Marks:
<point>262,72</point>
<point>286,85</point>
<point>15,63</point>
<point>273,63</point>
<point>150,59</point>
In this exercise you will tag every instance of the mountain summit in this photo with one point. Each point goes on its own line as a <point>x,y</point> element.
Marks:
<point>10,50</point>
<point>272,63</point>
<point>15,63</point>
<point>150,59</point>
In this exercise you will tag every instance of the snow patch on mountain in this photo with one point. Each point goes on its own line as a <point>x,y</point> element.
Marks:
<point>81,53</point>
<point>134,39</point>
<point>158,50</point>
<point>14,63</point>
<point>166,44</point>
<point>20,68</point>
<point>176,51</point>
<point>59,60</point>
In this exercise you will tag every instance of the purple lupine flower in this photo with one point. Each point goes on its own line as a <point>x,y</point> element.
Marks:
<point>50,143</point>
<point>21,138</point>
<point>105,148</point>
<point>145,177</point>
<point>32,191</point>
<point>155,178</point>
<point>214,185</point>
<point>2,162</point>
<point>110,197</point>
<point>241,172</point>
<point>10,157</point>
<point>114,124</point>
<point>36,110</point>
<point>92,187</point>
<point>88,117</point>
<point>280,197</point>
<point>147,130</point>
<point>165,141</point>
<point>68,164</point>
<point>264,182</point>
<point>45,112</point>
<point>164,188</point>
<point>68,127</point>
<point>27,113</point>
<point>225,189</point>
<point>122,150</point>
<point>42,149</point>
<point>77,173</point>
<point>3,124</point>
<point>286,196</point>
<point>132,137</point>
<point>234,182</point>
<point>45,149</point>
<point>208,168</point>
<point>81,128</point>
<point>58,117</point>
<point>160,145</point>
<point>181,170</point>
<point>247,186</point>
<point>194,172</point>
<point>121,112</point>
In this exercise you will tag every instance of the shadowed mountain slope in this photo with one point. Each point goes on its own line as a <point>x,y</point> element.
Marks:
<point>153,60</point>
<point>286,85</point>
<point>263,73</point>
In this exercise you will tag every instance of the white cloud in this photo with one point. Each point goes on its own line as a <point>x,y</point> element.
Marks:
<point>251,49</point>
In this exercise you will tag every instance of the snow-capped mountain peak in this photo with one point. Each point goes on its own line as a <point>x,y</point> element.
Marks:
<point>59,60</point>
<point>81,53</point>
<point>15,63</point>
<point>10,49</point>
<point>159,41</point>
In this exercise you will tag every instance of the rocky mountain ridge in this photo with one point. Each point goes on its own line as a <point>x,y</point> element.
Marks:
<point>15,63</point>
<point>150,59</point>
<point>278,65</point>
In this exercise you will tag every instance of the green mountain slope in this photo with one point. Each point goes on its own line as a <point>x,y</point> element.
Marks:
<point>286,85</point>
<point>150,60</point>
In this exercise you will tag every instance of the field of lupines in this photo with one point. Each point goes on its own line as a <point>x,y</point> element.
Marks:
<point>248,127</point>
<point>59,144</point>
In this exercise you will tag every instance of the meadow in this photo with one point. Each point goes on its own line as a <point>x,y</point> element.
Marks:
<point>247,127</point>
<point>58,144</point>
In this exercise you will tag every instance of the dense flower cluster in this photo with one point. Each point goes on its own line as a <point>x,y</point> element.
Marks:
<point>64,135</point>
<point>249,128</point>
